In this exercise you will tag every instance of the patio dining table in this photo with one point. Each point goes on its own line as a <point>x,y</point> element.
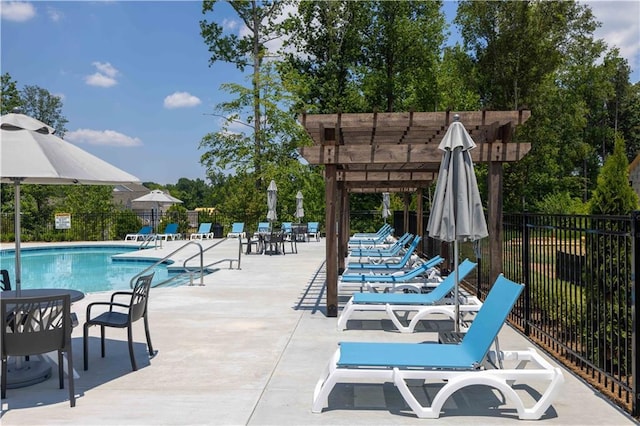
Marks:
<point>258,238</point>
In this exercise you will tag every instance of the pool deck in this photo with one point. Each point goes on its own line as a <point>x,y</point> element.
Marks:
<point>247,349</point>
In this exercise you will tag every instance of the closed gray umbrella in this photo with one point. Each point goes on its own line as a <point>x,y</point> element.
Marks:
<point>386,204</point>
<point>31,153</point>
<point>299,206</point>
<point>456,213</point>
<point>272,201</point>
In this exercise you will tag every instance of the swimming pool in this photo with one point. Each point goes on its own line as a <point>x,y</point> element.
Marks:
<point>85,268</point>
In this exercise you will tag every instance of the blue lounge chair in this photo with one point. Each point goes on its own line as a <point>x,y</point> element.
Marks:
<point>379,232</point>
<point>458,365</point>
<point>368,242</point>
<point>264,228</point>
<point>237,231</point>
<point>287,228</point>
<point>413,279</point>
<point>423,304</point>
<point>313,229</point>
<point>391,264</point>
<point>170,233</point>
<point>390,251</point>
<point>144,233</point>
<point>203,232</point>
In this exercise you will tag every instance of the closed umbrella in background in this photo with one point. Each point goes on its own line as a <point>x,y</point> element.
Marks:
<point>386,204</point>
<point>299,206</point>
<point>456,213</point>
<point>30,153</point>
<point>272,201</point>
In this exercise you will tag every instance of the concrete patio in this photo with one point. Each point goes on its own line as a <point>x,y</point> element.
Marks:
<point>247,349</point>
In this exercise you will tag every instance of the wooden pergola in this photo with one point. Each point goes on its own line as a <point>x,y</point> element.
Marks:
<point>398,152</point>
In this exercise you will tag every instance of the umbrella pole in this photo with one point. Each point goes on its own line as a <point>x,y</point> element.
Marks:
<point>455,295</point>
<point>16,209</point>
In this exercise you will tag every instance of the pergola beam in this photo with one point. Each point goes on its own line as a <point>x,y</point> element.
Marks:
<point>346,155</point>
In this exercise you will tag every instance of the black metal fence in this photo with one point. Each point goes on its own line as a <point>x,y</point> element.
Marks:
<point>580,293</point>
<point>99,226</point>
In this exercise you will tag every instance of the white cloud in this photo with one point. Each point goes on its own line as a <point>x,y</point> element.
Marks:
<point>100,80</point>
<point>106,68</point>
<point>620,27</point>
<point>229,24</point>
<point>102,137</point>
<point>105,77</point>
<point>17,11</point>
<point>181,100</point>
<point>54,15</point>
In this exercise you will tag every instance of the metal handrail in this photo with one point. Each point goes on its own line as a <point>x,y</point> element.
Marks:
<point>184,264</point>
<point>135,277</point>
<point>148,240</point>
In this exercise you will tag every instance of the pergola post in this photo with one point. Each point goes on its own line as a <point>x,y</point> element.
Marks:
<point>342,225</point>
<point>494,224</point>
<point>329,142</point>
<point>405,218</point>
<point>419,218</point>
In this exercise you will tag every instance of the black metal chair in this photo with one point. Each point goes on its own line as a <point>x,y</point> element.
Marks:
<point>275,243</point>
<point>44,325</point>
<point>5,282</point>
<point>121,315</point>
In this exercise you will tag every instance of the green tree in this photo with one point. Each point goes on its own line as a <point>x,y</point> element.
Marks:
<point>246,51</point>
<point>629,120</point>
<point>10,94</point>
<point>516,44</point>
<point>92,203</point>
<point>457,88</point>
<point>42,105</point>
<point>609,323</point>
<point>193,193</point>
<point>176,214</point>
<point>324,44</point>
<point>402,45</point>
<point>543,55</point>
<point>346,56</point>
<point>614,195</point>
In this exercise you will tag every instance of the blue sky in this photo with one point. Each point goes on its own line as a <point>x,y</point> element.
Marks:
<point>135,79</point>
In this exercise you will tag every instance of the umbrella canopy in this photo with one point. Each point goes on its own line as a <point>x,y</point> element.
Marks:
<point>386,205</point>
<point>157,199</point>
<point>157,196</point>
<point>272,201</point>
<point>456,213</point>
<point>34,154</point>
<point>31,153</point>
<point>299,205</point>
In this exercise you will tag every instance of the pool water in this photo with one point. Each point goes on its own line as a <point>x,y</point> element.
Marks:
<point>87,268</point>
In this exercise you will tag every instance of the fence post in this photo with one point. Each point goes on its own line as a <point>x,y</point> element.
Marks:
<point>635,269</point>
<point>525,274</point>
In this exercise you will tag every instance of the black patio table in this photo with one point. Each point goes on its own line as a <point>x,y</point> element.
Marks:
<point>40,292</point>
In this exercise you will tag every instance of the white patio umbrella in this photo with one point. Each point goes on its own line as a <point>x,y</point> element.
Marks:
<point>272,201</point>
<point>456,213</point>
<point>386,204</point>
<point>30,153</point>
<point>299,206</point>
<point>158,199</point>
